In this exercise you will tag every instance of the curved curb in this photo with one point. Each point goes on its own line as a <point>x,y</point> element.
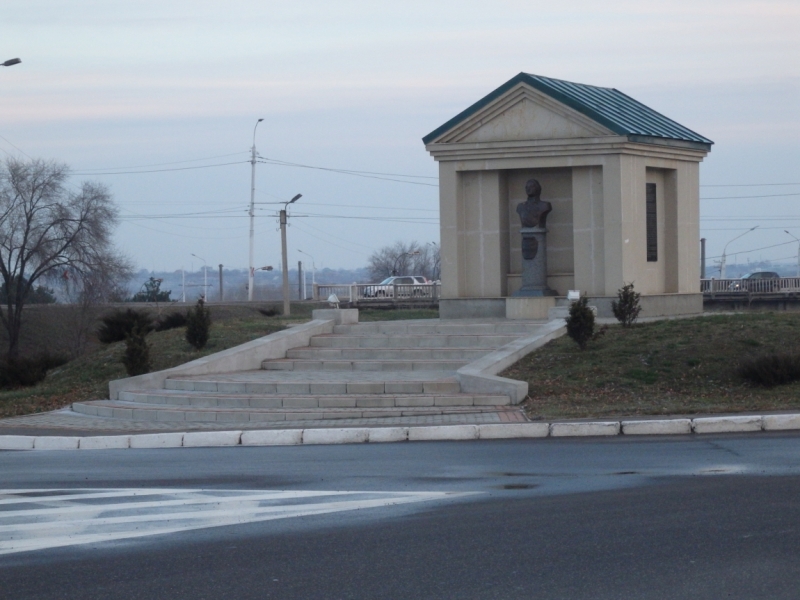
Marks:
<point>360,435</point>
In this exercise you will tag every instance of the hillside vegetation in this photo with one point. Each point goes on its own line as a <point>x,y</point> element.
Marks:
<point>682,366</point>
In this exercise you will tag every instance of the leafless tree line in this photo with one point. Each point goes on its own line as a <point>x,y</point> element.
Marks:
<point>405,258</point>
<point>51,233</point>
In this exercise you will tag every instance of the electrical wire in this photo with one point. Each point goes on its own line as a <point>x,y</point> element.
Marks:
<point>241,162</point>
<point>746,197</point>
<point>346,172</point>
<point>177,162</point>
<point>744,184</point>
<point>756,249</point>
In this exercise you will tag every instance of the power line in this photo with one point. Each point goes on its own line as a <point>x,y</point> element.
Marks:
<point>745,184</point>
<point>360,252</point>
<point>177,162</point>
<point>358,206</point>
<point>241,162</point>
<point>346,172</point>
<point>745,197</point>
<point>755,250</point>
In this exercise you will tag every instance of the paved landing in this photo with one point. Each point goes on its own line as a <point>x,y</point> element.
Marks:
<point>64,422</point>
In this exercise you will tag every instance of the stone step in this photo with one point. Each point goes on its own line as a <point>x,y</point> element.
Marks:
<point>191,400</point>
<point>289,364</point>
<point>315,386</point>
<point>309,353</point>
<point>516,328</point>
<point>134,411</point>
<point>404,340</point>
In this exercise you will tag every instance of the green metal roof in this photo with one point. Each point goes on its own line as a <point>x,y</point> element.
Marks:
<point>607,106</point>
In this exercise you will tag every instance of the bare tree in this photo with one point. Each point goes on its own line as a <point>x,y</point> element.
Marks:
<point>86,292</point>
<point>403,258</point>
<point>47,231</point>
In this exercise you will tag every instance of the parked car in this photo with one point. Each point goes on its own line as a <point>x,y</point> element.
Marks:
<point>758,281</point>
<point>385,289</point>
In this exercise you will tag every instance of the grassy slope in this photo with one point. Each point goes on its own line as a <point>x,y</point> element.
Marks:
<point>87,377</point>
<point>666,367</point>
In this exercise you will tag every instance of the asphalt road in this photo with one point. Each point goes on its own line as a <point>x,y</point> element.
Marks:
<point>684,517</point>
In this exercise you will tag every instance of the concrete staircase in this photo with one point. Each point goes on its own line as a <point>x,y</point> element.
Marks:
<point>388,369</point>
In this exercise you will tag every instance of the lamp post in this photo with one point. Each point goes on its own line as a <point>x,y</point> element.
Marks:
<point>205,277</point>
<point>286,308</point>
<point>313,271</point>
<point>11,62</point>
<point>798,251</point>
<point>252,211</point>
<point>394,267</point>
<point>723,259</point>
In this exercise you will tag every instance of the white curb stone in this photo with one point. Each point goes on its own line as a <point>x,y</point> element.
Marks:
<point>443,432</point>
<point>16,442</point>
<point>726,424</point>
<point>105,442</point>
<point>278,437</point>
<point>513,430</point>
<point>584,429</point>
<point>55,442</point>
<point>352,435</point>
<point>198,439</point>
<point>388,434</point>
<point>657,427</point>
<point>157,440</point>
<point>781,422</point>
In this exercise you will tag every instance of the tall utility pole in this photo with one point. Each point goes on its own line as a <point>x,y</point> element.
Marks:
<point>251,272</point>
<point>221,289</point>
<point>286,308</point>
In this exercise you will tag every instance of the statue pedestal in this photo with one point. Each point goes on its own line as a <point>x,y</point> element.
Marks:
<point>534,263</point>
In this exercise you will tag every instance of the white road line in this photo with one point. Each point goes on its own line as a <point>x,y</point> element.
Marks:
<point>79,522</point>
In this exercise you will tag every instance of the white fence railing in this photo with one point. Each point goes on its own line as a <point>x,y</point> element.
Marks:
<point>365,292</point>
<point>750,286</point>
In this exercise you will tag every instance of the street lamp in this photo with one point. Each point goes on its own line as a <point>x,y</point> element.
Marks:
<point>313,271</point>
<point>394,267</point>
<point>723,259</point>
<point>286,308</point>
<point>798,251</point>
<point>252,211</point>
<point>11,62</point>
<point>205,277</point>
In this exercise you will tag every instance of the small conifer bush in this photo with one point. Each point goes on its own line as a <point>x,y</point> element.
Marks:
<point>580,323</point>
<point>198,325</point>
<point>137,352</point>
<point>626,308</point>
<point>118,325</point>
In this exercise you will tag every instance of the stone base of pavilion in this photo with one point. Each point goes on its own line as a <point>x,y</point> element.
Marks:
<point>540,308</point>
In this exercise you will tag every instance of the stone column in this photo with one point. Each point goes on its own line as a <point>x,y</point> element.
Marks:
<point>534,263</point>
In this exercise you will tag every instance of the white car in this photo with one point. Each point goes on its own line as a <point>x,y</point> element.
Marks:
<point>408,285</point>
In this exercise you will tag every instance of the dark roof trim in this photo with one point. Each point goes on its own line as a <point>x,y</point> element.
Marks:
<point>607,106</point>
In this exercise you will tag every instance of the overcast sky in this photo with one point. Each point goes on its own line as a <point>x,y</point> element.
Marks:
<point>151,85</point>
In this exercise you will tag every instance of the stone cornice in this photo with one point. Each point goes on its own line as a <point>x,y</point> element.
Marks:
<point>571,147</point>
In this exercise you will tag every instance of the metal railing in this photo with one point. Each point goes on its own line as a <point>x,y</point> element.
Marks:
<point>781,285</point>
<point>374,292</point>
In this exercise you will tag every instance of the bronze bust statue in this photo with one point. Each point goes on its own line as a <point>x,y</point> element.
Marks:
<point>533,212</point>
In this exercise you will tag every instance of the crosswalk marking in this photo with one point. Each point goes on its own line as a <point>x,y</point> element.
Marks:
<point>32,519</point>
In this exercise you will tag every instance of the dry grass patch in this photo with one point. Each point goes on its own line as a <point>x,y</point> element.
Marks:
<point>684,366</point>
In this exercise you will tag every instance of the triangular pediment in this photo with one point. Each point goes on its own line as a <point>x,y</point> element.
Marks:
<point>523,113</point>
